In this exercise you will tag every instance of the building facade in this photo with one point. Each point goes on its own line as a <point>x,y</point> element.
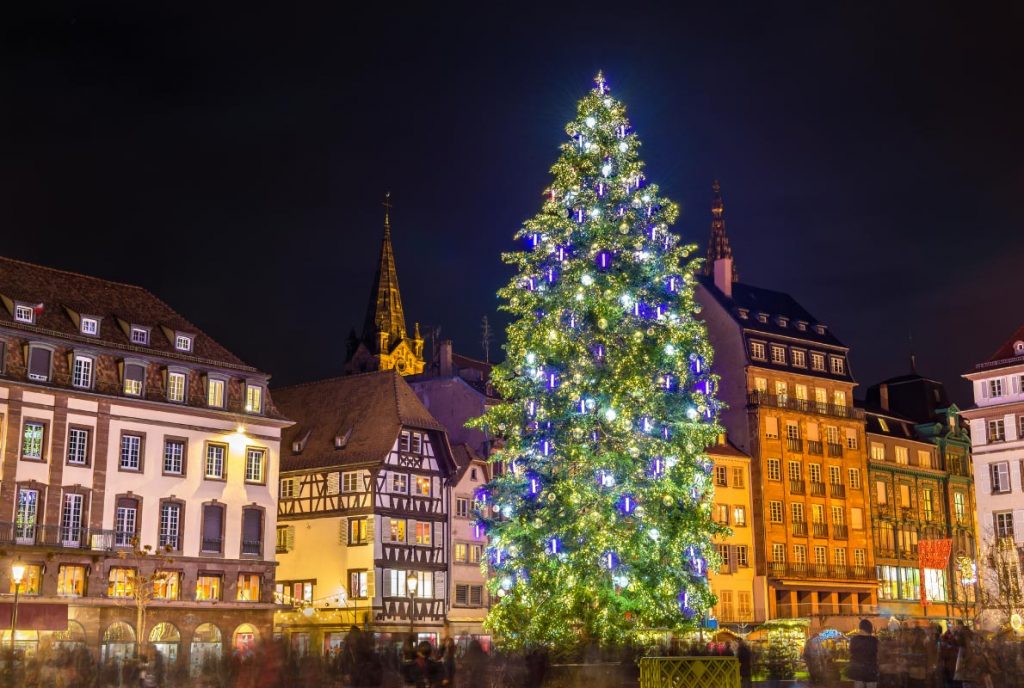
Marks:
<point>916,495</point>
<point>997,435</point>
<point>788,388</point>
<point>139,463</point>
<point>738,587</point>
<point>468,594</point>
<point>364,513</point>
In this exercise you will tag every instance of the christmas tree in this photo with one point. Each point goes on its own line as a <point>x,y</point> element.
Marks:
<point>600,527</point>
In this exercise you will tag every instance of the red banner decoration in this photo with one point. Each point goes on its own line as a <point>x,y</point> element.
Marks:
<point>36,616</point>
<point>932,554</point>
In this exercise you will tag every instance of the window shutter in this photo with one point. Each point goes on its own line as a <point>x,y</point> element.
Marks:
<point>333,483</point>
<point>1018,525</point>
<point>39,362</point>
<point>386,583</point>
<point>289,537</point>
<point>1015,381</point>
<point>370,584</point>
<point>385,528</point>
<point>733,558</point>
<point>370,528</point>
<point>984,389</point>
<point>343,535</point>
<point>410,532</point>
<point>439,591</point>
<point>812,432</point>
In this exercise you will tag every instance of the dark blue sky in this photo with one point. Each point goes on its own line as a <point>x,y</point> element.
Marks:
<point>233,159</point>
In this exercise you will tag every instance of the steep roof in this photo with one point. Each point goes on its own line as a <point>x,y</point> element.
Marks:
<point>464,457</point>
<point>718,242</point>
<point>366,410</point>
<point>67,295</point>
<point>384,312</point>
<point>726,448</point>
<point>1006,354</point>
<point>748,301</point>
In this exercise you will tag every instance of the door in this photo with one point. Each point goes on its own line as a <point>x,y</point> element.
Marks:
<point>25,522</point>
<point>71,521</point>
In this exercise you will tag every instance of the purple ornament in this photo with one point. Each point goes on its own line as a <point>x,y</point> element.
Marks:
<point>673,284</point>
<point>603,260</point>
<point>627,504</point>
<point>657,467</point>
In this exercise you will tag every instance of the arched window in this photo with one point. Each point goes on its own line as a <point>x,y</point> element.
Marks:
<point>245,638</point>
<point>118,642</point>
<point>72,638</point>
<point>166,640</point>
<point>206,644</point>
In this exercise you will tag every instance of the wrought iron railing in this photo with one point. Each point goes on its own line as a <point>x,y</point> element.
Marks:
<point>835,450</point>
<point>838,491</point>
<point>840,532</point>
<point>64,537</point>
<point>817,488</point>
<point>796,487</point>
<point>794,444</point>
<point>821,530</point>
<point>805,405</point>
<point>814,447</point>
<point>800,528</point>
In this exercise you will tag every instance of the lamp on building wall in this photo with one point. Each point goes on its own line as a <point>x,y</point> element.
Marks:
<point>17,575</point>
<point>411,581</point>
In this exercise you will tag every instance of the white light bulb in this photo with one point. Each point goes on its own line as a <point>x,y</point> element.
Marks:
<point>607,102</point>
<point>623,147</point>
<point>654,534</point>
<point>587,280</point>
<point>669,349</point>
<point>591,122</point>
<point>595,212</point>
<point>610,414</point>
<point>530,358</point>
<point>606,170</point>
<point>691,413</point>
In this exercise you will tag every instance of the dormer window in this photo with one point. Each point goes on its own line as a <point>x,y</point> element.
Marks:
<point>215,392</point>
<point>801,325</point>
<point>140,335</point>
<point>820,329</point>
<point>757,351</point>
<point>1018,348</point>
<point>762,317</point>
<point>25,314</point>
<point>778,355</point>
<point>134,378</point>
<point>838,365</point>
<point>799,357</point>
<point>90,326</point>
<point>782,321</point>
<point>183,342</point>
<point>743,313</point>
<point>253,399</point>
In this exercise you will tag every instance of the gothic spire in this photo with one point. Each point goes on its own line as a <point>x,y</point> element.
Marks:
<point>718,244</point>
<point>384,313</point>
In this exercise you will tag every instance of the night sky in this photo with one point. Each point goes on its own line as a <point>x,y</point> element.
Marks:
<point>234,160</point>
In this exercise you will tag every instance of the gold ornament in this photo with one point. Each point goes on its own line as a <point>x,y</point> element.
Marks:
<point>602,323</point>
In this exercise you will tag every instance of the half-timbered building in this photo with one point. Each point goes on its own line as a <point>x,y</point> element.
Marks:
<point>363,514</point>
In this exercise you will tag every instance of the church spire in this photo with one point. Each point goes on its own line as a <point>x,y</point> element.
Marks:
<point>385,320</point>
<point>718,244</point>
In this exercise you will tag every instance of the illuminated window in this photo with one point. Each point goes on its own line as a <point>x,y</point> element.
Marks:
<point>357,531</point>
<point>996,431</point>
<point>423,532</point>
<point>881,493</point>
<point>742,556</point>
<point>877,451</point>
<point>721,476</point>
<point>799,358</point>
<point>248,587</point>
<point>253,399</point>
<point>778,552</point>
<point>739,516</point>
<point>71,580</point>
<point>839,556</point>
<point>757,351</point>
<point>208,587</point>
<point>358,585</point>
<point>398,530</point>
<point>839,398</point>
<point>121,582</point>
<point>859,558</point>
<point>140,335</point>
<point>958,507</point>
<point>800,554</point>
<point>737,477</point>
<point>854,474</point>
<point>176,387</point>
<point>902,455</point>
<point>287,488</point>
<point>90,326</point>
<point>817,361</point>
<point>353,482</point>
<point>778,354</point>
<point>31,580</point>
<point>422,486</point>
<point>722,513</point>
<point>838,365</point>
<point>774,469</point>
<point>476,553</point>
<point>167,585</point>
<point>820,555</point>
<point>134,376</point>
<point>183,342</point>
<point>797,512</point>
<point>215,393</point>
<point>460,553</point>
<point>795,471</point>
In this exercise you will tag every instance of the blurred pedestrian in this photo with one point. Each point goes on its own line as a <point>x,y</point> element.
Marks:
<point>863,668</point>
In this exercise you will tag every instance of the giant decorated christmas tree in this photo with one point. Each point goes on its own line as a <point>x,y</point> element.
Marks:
<point>600,527</point>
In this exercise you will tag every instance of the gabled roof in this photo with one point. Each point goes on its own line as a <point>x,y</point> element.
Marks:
<point>754,300</point>
<point>367,411</point>
<point>1007,354</point>
<point>897,425</point>
<point>464,457</point>
<point>67,295</point>
<point>726,448</point>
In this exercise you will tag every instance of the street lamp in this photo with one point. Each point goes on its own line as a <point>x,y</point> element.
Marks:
<point>17,575</point>
<point>411,581</point>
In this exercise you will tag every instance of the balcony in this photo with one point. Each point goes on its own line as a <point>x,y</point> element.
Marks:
<point>794,444</point>
<point>212,546</point>
<point>814,447</point>
<point>800,528</point>
<point>841,532</point>
<point>252,548</point>
<point>803,405</point>
<point>63,537</point>
<point>820,530</point>
<point>796,487</point>
<point>817,488</point>
<point>782,569</point>
<point>838,491</point>
<point>835,450</point>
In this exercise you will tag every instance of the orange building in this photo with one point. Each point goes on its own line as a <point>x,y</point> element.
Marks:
<point>788,388</point>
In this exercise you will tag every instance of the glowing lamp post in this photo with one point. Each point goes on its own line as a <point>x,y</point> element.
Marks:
<point>411,581</point>
<point>17,575</point>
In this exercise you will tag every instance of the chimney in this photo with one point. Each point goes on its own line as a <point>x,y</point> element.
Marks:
<point>723,275</point>
<point>445,358</point>
<point>883,395</point>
